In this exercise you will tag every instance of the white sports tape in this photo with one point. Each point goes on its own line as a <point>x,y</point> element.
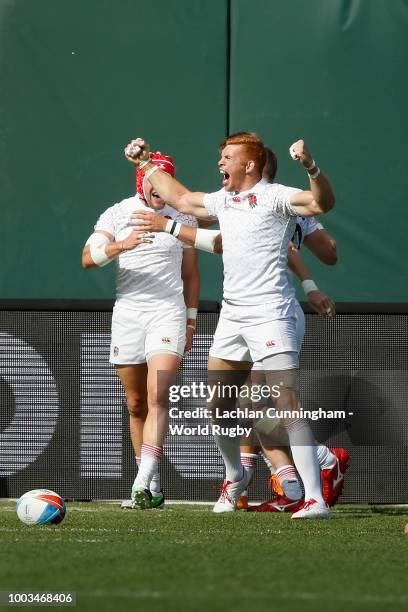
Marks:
<point>97,243</point>
<point>312,165</point>
<point>205,239</point>
<point>309,285</point>
<point>191,314</point>
<point>132,150</point>
<point>292,152</point>
<point>315,174</point>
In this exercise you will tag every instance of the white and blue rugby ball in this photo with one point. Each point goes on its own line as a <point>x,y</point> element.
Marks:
<point>41,507</point>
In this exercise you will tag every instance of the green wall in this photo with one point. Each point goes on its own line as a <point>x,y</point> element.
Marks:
<point>334,73</point>
<point>80,78</point>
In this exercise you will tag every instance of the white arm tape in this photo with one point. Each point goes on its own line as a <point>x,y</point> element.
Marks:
<point>192,313</point>
<point>205,239</point>
<point>97,243</point>
<point>309,285</point>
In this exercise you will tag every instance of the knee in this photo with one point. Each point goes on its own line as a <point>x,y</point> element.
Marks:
<point>137,407</point>
<point>157,401</point>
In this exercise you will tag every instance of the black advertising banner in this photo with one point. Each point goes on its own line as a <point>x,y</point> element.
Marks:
<point>64,423</point>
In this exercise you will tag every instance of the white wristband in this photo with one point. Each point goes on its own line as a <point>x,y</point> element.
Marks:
<point>172,227</point>
<point>309,285</point>
<point>312,165</point>
<point>192,313</point>
<point>315,174</point>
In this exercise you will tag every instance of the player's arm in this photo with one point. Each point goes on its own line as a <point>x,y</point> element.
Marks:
<point>101,248</point>
<point>322,245</point>
<point>170,190</point>
<point>320,198</point>
<point>319,301</point>
<point>202,239</point>
<point>191,290</point>
<point>204,223</point>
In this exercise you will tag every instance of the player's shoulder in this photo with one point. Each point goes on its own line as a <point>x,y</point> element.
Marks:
<point>131,203</point>
<point>278,194</point>
<point>219,195</point>
<point>125,205</point>
<point>274,187</point>
<point>220,192</point>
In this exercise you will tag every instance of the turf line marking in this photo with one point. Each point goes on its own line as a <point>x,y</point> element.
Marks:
<point>302,596</point>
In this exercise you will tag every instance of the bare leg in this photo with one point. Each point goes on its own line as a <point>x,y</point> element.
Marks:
<point>134,382</point>
<point>162,372</point>
<point>225,372</point>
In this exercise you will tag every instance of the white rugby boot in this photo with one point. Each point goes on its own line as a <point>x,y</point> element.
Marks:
<point>230,494</point>
<point>312,509</point>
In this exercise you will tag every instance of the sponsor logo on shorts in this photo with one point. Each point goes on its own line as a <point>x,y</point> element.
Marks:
<point>270,343</point>
<point>166,340</point>
<point>252,201</point>
<point>115,351</point>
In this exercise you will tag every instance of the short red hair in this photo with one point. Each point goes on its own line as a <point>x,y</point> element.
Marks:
<point>252,144</point>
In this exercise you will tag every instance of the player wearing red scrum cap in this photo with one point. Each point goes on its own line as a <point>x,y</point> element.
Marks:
<point>157,277</point>
<point>257,321</point>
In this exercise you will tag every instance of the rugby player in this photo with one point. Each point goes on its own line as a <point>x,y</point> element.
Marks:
<point>333,463</point>
<point>257,321</point>
<point>157,277</point>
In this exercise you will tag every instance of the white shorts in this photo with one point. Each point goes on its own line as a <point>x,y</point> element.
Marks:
<point>251,333</point>
<point>136,334</point>
<point>300,333</point>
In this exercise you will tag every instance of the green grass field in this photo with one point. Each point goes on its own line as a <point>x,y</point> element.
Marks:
<point>186,558</point>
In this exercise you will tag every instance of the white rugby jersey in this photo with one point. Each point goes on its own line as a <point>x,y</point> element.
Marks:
<point>304,227</point>
<point>148,276</point>
<point>256,226</point>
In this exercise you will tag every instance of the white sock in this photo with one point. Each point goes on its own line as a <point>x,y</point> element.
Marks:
<point>269,464</point>
<point>229,449</point>
<point>325,457</point>
<point>155,486</point>
<point>248,461</point>
<point>149,465</point>
<point>304,453</point>
<point>289,482</point>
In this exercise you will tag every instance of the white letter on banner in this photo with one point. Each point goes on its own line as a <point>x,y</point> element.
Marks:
<point>36,405</point>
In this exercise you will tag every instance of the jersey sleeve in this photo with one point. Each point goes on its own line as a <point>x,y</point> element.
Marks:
<point>282,200</point>
<point>186,220</point>
<point>214,201</point>
<point>106,222</point>
<point>311,225</point>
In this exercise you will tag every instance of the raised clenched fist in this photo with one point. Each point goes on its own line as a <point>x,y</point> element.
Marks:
<point>137,151</point>
<point>299,152</point>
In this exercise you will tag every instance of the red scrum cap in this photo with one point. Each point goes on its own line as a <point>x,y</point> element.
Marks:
<point>164,162</point>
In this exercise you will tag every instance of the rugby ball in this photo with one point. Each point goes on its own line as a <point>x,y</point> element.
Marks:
<point>41,507</point>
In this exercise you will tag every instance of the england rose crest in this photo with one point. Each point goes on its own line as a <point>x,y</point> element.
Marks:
<point>252,201</point>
